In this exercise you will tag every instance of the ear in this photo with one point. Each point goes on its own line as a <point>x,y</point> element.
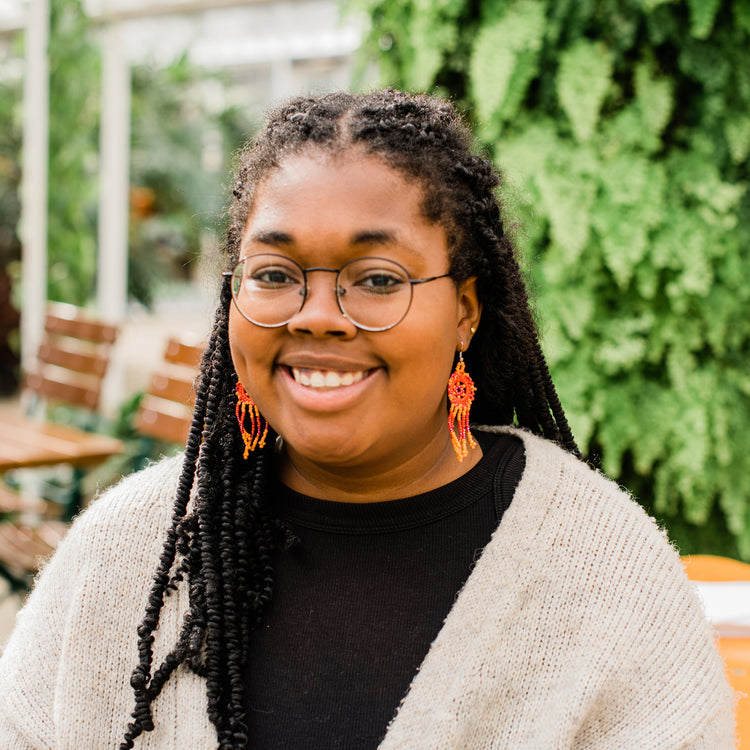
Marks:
<point>469,311</point>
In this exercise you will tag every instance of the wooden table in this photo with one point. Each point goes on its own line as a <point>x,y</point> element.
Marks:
<point>26,442</point>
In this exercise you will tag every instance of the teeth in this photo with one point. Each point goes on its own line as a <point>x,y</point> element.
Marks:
<point>326,378</point>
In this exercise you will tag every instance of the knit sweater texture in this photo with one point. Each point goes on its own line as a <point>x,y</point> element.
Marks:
<point>576,629</point>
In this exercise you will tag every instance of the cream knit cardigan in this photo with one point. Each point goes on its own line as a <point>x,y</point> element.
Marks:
<point>577,629</point>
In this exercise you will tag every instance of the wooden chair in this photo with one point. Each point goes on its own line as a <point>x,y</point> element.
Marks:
<point>25,548</point>
<point>69,371</point>
<point>734,642</point>
<point>166,410</point>
<point>70,368</point>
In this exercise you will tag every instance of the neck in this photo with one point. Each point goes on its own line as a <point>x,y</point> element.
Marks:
<point>433,466</point>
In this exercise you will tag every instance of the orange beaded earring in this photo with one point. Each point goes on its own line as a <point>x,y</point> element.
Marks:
<point>258,426</point>
<point>461,390</point>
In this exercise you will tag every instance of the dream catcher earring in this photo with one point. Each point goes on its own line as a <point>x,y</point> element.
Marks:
<point>461,390</point>
<point>246,407</point>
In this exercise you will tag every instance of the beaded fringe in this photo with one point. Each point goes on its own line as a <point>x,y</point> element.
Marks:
<point>256,436</point>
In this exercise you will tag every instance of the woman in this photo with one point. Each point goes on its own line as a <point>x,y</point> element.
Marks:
<point>339,560</point>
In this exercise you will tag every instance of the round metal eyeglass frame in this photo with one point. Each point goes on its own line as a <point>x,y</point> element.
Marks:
<point>340,291</point>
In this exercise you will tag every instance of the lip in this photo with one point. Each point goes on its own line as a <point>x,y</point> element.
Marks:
<point>328,399</point>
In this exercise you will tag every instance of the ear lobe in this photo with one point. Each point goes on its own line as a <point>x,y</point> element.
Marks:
<point>469,310</point>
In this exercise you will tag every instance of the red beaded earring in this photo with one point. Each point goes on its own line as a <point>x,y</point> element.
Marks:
<point>461,390</point>
<point>258,426</point>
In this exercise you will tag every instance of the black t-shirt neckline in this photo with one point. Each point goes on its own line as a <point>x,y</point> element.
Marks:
<point>403,513</point>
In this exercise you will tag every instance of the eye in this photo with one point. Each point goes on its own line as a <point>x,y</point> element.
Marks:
<point>379,281</point>
<point>273,277</point>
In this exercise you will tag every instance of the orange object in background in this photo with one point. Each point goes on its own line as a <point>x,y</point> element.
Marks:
<point>734,641</point>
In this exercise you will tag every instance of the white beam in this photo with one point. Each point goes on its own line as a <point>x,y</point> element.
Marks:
<point>34,181</point>
<point>114,179</point>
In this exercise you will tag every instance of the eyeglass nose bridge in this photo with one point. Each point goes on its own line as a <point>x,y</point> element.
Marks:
<point>338,289</point>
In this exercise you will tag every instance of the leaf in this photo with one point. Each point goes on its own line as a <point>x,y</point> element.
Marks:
<point>525,155</point>
<point>649,5</point>
<point>655,98</point>
<point>491,68</point>
<point>705,62</point>
<point>567,202</point>
<point>504,58</point>
<point>741,9</point>
<point>624,346</point>
<point>702,15</point>
<point>583,80</point>
<point>625,178</point>
<point>623,241</point>
<point>571,308</point>
<point>737,131</point>
<point>433,35</point>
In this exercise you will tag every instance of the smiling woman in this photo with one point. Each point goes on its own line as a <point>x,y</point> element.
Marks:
<point>338,559</point>
<point>355,440</point>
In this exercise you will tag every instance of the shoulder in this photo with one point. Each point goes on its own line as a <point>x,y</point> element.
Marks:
<point>115,541</point>
<point>558,490</point>
<point>580,540</point>
<point>576,537</point>
<point>109,552</point>
<point>130,513</point>
<point>579,572</point>
<point>76,627</point>
<point>149,491</point>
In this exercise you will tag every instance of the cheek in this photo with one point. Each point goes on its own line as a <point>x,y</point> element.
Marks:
<point>236,345</point>
<point>246,343</point>
<point>426,360</point>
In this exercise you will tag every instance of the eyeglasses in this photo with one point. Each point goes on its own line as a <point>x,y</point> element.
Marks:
<point>373,293</point>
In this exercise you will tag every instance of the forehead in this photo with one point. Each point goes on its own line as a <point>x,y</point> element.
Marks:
<point>317,198</point>
<point>315,177</point>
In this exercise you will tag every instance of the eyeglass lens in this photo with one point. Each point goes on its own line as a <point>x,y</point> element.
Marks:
<point>269,290</point>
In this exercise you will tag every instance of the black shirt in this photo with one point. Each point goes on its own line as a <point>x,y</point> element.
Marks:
<point>357,604</point>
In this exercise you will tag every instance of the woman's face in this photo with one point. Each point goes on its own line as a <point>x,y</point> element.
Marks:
<point>344,400</point>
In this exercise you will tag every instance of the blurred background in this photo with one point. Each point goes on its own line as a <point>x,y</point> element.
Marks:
<point>622,128</point>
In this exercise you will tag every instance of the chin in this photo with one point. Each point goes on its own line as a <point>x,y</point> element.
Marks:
<point>332,450</point>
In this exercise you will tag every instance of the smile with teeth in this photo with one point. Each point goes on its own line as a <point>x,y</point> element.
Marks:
<point>326,378</point>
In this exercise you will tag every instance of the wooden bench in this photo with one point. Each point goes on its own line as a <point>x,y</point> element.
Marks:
<point>25,548</point>
<point>166,410</point>
<point>733,640</point>
<point>70,368</point>
<point>164,415</point>
<point>69,371</point>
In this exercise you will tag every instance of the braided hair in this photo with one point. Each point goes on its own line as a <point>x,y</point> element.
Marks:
<point>223,534</point>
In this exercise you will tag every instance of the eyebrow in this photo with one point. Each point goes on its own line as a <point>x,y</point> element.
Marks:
<point>374,237</point>
<point>272,237</point>
<point>277,238</point>
<point>383,237</point>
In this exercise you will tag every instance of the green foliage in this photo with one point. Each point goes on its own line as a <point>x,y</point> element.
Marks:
<point>10,169</point>
<point>623,130</point>
<point>175,194</point>
<point>505,59</point>
<point>10,246</point>
<point>73,147</point>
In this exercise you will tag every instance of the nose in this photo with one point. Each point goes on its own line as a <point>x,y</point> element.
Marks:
<point>320,314</point>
